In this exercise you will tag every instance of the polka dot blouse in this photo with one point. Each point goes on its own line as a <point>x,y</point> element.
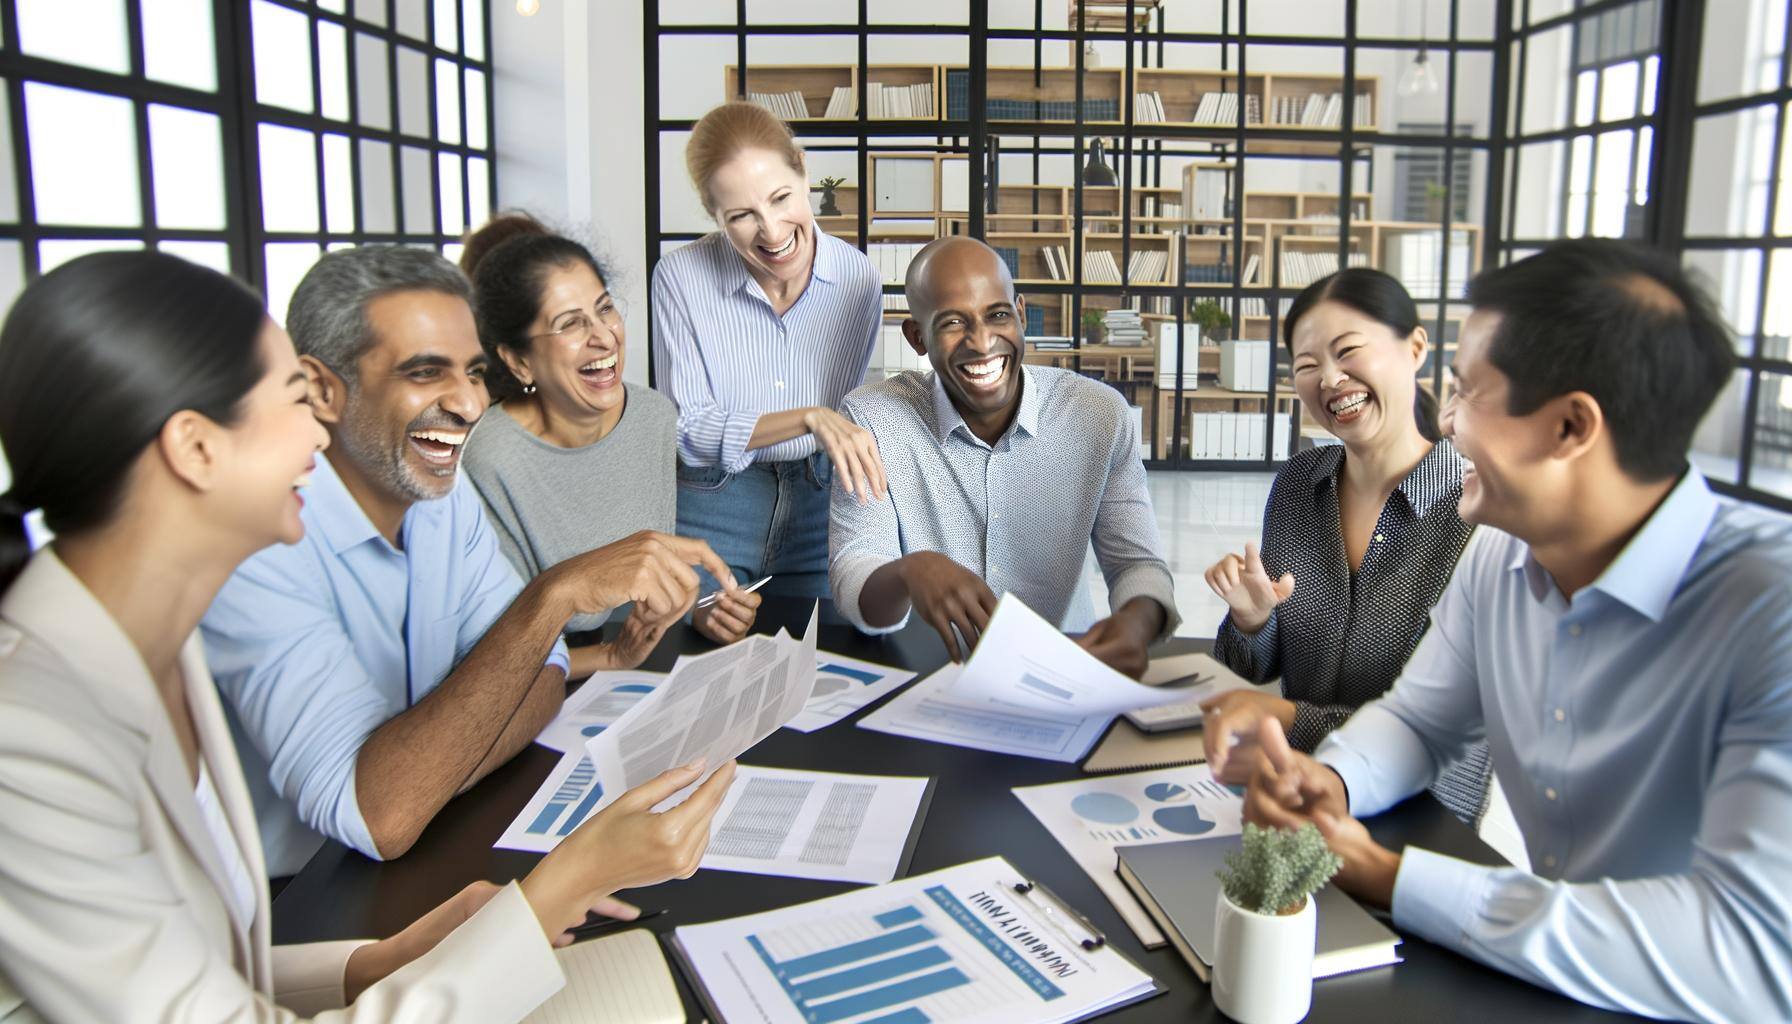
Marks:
<point>1341,639</point>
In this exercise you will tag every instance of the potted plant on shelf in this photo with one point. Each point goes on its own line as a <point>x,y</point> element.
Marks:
<point>826,186</point>
<point>1434,202</point>
<point>1091,327</point>
<point>1264,924</point>
<point>1213,320</point>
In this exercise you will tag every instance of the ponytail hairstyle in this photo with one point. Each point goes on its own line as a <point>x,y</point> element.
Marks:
<point>94,359</point>
<point>720,136</point>
<point>1380,297</point>
<point>508,279</point>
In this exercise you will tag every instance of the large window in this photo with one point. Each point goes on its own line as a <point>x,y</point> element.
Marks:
<point>1738,234</point>
<point>247,136</point>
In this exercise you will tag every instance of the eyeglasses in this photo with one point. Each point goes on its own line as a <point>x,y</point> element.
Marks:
<point>576,331</point>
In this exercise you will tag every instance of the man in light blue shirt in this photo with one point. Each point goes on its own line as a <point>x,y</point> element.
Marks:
<point>1623,641</point>
<point>393,657</point>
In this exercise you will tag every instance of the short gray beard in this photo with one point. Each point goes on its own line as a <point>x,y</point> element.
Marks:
<point>386,465</point>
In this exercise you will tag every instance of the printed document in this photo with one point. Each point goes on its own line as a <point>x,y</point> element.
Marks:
<point>774,821</point>
<point>1027,689</point>
<point>844,685</point>
<point>713,707</point>
<point>1091,817</point>
<point>599,702</point>
<point>958,945</point>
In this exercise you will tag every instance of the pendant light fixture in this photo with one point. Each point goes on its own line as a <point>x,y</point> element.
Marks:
<point>1420,78</point>
<point>1097,171</point>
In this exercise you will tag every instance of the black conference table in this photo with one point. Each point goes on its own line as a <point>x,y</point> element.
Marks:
<point>341,894</point>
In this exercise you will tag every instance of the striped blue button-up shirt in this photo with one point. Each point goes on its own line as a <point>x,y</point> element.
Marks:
<point>1643,733</point>
<point>726,358</point>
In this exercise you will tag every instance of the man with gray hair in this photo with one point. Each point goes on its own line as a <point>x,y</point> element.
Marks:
<point>393,657</point>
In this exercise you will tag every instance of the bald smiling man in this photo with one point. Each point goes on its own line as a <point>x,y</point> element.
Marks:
<point>1000,476</point>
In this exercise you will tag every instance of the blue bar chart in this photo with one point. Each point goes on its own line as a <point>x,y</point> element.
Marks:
<point>889,968</point>
<point>571,804</point>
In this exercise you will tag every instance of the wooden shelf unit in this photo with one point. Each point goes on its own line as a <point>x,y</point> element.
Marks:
<point>817,83</point>
<point>1180,90</point>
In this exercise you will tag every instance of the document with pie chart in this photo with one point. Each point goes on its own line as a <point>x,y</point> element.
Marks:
<point>844,685</point>
<point>1090,817</point>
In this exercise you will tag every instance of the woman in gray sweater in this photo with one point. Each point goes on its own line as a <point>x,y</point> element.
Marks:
<point>570,458</point>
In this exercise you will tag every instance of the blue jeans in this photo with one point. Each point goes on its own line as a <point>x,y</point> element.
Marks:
<point>769,520</point>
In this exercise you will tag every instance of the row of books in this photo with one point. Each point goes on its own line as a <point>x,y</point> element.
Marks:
<point>1300,269</point>
<point>1148,108</point>
<point>1148,265</point>
<point>1221,108</point>
<point>894,101</point>
<point>1220,272</point>
<point>1319,110</point>
<point>787,105</point>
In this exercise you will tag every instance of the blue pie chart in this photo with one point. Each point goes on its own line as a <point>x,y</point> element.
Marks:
<point>1106,808</point>
<point>1185,820</point>
<point>1166,792</point>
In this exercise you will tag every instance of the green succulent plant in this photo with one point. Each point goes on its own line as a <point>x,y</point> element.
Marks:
<point>1275,870</point>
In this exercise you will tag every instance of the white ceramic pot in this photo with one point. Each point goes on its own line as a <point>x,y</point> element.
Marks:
<point>1263,963</point>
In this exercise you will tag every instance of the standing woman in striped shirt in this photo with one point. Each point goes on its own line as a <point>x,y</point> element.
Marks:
<point>760,330</point>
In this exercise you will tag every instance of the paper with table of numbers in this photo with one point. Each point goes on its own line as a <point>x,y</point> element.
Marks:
<point>711,708</point>
<point>619,979</point>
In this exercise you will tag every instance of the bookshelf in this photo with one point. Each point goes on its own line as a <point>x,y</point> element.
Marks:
<point>955,163</point>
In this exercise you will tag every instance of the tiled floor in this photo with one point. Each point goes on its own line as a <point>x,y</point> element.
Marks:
<point>1200,517</point>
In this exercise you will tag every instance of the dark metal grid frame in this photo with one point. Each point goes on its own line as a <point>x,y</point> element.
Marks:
<point>978,139</point>
<point>1756,360</point>
<point>234,103</point>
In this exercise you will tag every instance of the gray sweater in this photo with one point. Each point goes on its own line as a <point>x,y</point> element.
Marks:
<point>548,503</point>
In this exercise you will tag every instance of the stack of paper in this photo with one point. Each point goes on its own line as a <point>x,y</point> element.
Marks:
<point>1027,689</point>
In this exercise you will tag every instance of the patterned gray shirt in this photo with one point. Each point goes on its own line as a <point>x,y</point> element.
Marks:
<point>1020,513</point>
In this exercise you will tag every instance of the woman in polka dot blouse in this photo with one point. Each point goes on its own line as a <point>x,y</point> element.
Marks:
<point>1359,538</point>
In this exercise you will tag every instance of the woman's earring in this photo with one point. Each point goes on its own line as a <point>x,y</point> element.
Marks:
<point>528,388</point>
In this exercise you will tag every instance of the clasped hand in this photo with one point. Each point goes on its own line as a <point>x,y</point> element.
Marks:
<point>1288,789</point>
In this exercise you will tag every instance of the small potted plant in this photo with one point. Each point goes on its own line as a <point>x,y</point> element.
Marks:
<point>1264,924</point>
<point>1092,326</point>
<point>1213,321</point>
<point>826,186</point>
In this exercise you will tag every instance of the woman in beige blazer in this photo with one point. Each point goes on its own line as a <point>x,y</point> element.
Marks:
<point>161,423</point>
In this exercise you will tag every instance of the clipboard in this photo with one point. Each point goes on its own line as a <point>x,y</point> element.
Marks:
<point>1038,897</point>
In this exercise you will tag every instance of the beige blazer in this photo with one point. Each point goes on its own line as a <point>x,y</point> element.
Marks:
<point>111,887</point>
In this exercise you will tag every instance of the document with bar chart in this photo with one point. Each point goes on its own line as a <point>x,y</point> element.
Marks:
<point>958,945</point>
<point>569,796</point>
<point>1091,817</point>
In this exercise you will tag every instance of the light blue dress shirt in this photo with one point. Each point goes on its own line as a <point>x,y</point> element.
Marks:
<point>1021,513</point>
<point>317,644</point>
<point>1643,734</point>
<point>726,358</point>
